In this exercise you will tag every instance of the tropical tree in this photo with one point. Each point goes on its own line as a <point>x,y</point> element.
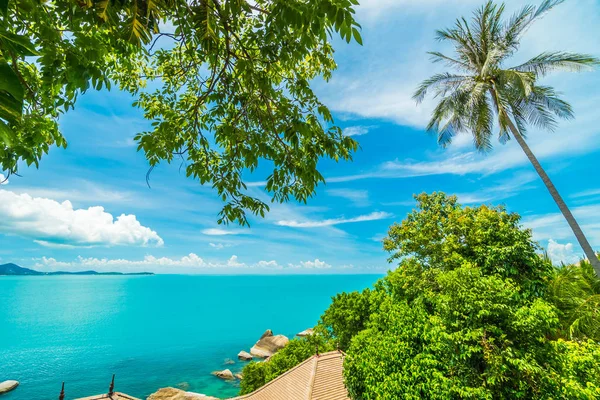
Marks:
<point>229,84</point>
<point>575,291</point>
<point>485,92</point>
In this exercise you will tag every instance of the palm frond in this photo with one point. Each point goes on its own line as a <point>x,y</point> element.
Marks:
<point>482,122</point>
<point>521,83</point>
<point>451,62</point>
<point>558,61</point>
<point>441,83</point>
<point>575,291</point>
<point>523,20</point>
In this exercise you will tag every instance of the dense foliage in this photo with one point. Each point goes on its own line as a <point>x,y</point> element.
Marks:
<point>256,374</point>
<point>468,314</point>
<point>575,290</point>
<point>229,84</point>
<point>472,311</point>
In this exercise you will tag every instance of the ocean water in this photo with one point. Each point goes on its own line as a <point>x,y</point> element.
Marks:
<point>151,331</point>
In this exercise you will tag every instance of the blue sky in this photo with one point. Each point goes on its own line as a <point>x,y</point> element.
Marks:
<point>88,207</point>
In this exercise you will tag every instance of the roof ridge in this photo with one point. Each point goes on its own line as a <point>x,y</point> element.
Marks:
<point>312,376</point>
<point>276,379</point>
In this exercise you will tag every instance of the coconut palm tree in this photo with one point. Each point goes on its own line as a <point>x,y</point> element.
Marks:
<point>484,92</point>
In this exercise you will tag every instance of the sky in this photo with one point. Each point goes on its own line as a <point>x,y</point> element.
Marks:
<point>88,207</point>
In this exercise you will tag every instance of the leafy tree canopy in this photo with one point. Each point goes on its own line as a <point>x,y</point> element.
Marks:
<point>472,311</point>
<point>224,82</point>
<point>257,374</point>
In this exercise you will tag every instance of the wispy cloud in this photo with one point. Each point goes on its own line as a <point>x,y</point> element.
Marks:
<point>586,193</point>
<point>501,189</point>
<point>224,232</point>
<point>554,226</point>
<point>356,130</point>
<point>219,246</point>
<point>359,198</point>
<point>374,216</point>
<point>50,222</point>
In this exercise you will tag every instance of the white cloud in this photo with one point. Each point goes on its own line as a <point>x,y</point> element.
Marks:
<point>554,226</point>
<point>191,260</point>
<point>334,221</point>
<point>356,130</point>
<point>500,190</point>
<point>586,193</point>
<point>3,180</point>
<point>186,264</point>
<point>316,264</point>
<point>223,232</point>
<point>359,198</point>
<point>219,246</point>
<point>50,222</point>
<point>562,253</point>
<point>233,262</point>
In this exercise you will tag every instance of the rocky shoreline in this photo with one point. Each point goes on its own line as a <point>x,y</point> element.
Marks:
<point>267,345</point>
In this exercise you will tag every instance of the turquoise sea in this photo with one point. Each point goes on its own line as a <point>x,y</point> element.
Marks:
<point>151,331</point>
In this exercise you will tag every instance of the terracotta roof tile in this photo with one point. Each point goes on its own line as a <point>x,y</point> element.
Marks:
<point>318,378</point>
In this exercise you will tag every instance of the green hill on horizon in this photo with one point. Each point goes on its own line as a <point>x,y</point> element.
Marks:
<point>14,269</point>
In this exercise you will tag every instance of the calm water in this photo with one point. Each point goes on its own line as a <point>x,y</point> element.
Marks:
<point>151,331</point>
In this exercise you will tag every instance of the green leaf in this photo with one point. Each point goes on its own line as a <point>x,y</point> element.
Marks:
<point>9,82</point>
<point>357,36</point>
<point>7,135</point>
<point>18,43</point>
<point>10,108</point>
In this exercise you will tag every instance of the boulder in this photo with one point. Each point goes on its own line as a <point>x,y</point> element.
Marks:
<point>268,344</point>
<point>225,374</point>
<point>170,393</point>
<point>7,386</point>
<point>245,356</point>
<point>228,361</point>
<point>239,376</point>
<point>268,332</point>
<point>183,386</point>
<point>305,333</point>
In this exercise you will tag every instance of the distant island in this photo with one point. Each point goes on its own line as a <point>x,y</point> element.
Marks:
<point>14,269</point>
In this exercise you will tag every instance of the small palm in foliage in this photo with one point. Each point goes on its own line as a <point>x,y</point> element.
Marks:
<point>484,92</point>
<point>575,290</point>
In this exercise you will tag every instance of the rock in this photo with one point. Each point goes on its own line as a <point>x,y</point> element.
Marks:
<point>183,385</point>
<point>170,393</point>
<point>268,344</point>
<point>239,376</point>
<point>268,332</point>
<point>245,356</point>
<point>305,333</point>
<point>7,386</point>
<point>225,374</point>
<point>229,361</point>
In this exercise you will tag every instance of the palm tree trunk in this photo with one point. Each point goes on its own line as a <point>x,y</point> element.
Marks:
<point>583,242</point>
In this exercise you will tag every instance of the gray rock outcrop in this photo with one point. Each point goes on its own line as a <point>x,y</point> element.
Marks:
<point>7,386</point>
<point>268,344</point>
<point>305,333</point>
<point>225,374</point>
<point>244,355</point>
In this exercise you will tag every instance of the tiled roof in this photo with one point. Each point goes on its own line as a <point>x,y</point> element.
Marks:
<point>318,378</point>
<point>114,396</point>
